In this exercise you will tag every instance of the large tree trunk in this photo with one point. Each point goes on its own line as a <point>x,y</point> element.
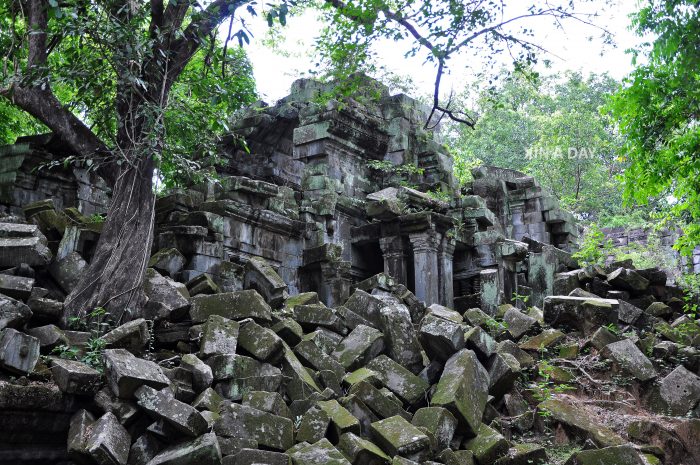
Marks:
<point>115,274</point>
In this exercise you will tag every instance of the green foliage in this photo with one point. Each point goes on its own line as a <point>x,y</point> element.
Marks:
<point>102,58</point>
<point>206,96</point>
<point>649,255</point>
<point>690,283</point>
<point>593,249</point>
<point>548,127</point>
<point>546,388</point>
<point>391,174</point>
<point>98,322</point>
<point>656,110</point>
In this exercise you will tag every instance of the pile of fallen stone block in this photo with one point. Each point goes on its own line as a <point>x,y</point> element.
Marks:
<point>255,376</point>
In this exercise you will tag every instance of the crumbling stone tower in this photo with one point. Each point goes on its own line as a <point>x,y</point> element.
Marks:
<point>321,191</point>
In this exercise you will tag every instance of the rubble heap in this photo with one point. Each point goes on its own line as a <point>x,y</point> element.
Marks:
<point>311,309</point>
<point>259,376</point>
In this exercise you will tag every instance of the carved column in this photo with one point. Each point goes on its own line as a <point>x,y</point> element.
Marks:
<point>446,254</point>
<point>335,285</point>
<point>425,256</point>
<point>394,258</point>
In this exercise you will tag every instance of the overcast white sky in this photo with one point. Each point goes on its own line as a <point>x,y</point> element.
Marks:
<point>274,73</point>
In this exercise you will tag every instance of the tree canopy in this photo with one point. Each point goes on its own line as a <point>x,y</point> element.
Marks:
<point>657,111</point>
<point>552,128</point>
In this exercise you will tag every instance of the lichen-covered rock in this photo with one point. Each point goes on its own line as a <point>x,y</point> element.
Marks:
<point>365,305</point>
<point>108,442</point>
<point>602,337</point>
<point>396,436</point>
<point>580,423</point>
<point>13,313</point>
<point>524,454</point>
<point>167,261</point>
<point>628,313</point>
<point>504,370</point>
<point>232,305</point>
<point>382,405</point>
<point>162,405</point>
<point>480,342</point>
<point>517,323</point>
<point>628,280</point>
<point>313,426</point>
<point>68,270</point>
<point>202,376</point>
<point>240,374</point>
<point>544,340</point>
<point>262,343</point>
<point>17,287</point>
<point>301,382</point>
<point>259,275</point>
<point>400,336</point>
<point>359,347</point>
<point>318,453</point>
<point>219,336</point>
<point>73,377</point>
<point>631,359</point>
<point>271,431</point>
<point>19,352</point>
<point>257,457</point>
<point>310,355</point>
<point>361,451</point>
<point>462,390</point>
<point>680,390</point>
<point>203,450</point>
<point>23,243</point>
<point>126,373</point>
<point>166,298</point>
<point>488,445</point>
<point>441,338</point>
<point>132,336</point>
<point>271,402</point>
<point>615,455</point>
<point>313,316</point>
<point>49,336</point>
<point>439,421</point>
<point>583,313</point>
<point>409,387</point>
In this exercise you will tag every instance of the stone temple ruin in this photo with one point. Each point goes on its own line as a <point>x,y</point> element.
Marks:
<point>307,199</point>
<point>335,297</point>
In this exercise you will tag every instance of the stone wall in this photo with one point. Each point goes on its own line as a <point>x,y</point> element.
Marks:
<point>25,177</point>
<point>623,237</point>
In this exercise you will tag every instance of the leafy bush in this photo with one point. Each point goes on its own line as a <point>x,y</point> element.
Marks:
<point>594,248</point>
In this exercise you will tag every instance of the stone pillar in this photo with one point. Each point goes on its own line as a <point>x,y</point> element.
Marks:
<point>490,291</point>
<point>335,285</point>
<point>425,258</point>
<point>446,254</point>
<point>394,258</point>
